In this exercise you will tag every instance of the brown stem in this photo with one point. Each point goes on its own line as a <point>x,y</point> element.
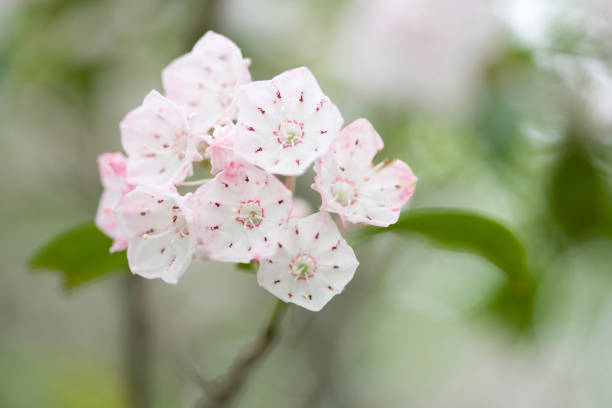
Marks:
<point>224,390</point>
<point>137,343</point>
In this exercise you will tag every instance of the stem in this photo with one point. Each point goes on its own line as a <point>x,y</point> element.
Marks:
<point>137,343</point>
<point>224,390</point>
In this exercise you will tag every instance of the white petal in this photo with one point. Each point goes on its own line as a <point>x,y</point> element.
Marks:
<point>314,241</point>
<point>158,141</point>
<point>222,207</point>
<point>286,123</point>
<point>167,257</point>
<point>204,81</point>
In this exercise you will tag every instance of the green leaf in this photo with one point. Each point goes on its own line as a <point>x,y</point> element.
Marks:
<point>578,200</point>
<point>80,254</point>
<point>467,231</point>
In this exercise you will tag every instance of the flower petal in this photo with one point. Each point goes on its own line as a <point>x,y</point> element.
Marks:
<point>158,141</point>
<point>313,264</point>
<point>204,80</point>
<point>239,213</point>
<point>286,123</point>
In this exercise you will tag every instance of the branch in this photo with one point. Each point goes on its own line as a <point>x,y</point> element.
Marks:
<point>137,343</point>
<point>225,389</point>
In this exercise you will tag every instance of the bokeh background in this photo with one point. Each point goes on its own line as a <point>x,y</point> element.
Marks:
<point>503,107</point>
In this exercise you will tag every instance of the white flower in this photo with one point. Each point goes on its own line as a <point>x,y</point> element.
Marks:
<point>204,80</point>
<point>156,223</point>
<point>238,214</point>
<point>159,142</point>
<point>286,123</point>
<point>352,186</point>
<point>313,263</point>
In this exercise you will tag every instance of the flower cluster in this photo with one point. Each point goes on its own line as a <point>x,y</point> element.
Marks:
<point>250,132</point>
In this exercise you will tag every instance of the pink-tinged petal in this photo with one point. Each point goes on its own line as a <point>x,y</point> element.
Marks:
<point>204,80</point>
<point>220,148</point>
<point>312,265</point>
<point>239,213</point>
<point>286,123</point>
<point>353,187</point>
<point>159,142</point>
<point>112,167</point>
<point>156,223</point>
<point>388,190</point>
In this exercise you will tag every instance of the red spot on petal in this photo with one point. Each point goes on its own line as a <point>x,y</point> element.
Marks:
<point>302,96</point>
<point>280,245</point>
<point>280,201</point>
<point>160,201</point>
<point>161,251</point>
<point>309,297</point>
<point>278,95</point>
<point>276,282</point>
<point>259,149</point>
<point>323,132</point>
<point>143,213</point>
<point>317,236</point>
<point>290,295</point>
<point>336,266</point>
<point>218,205</point>
<point>261,110</point>
<point>330,288</point>
<point>251,128</point>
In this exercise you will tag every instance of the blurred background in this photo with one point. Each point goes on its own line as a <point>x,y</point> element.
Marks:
<point>503,107</point>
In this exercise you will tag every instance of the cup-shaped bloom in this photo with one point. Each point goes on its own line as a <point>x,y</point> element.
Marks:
<point>284,124</point>
<point>312,265</point>
<point>204,80</point>
<point>159,142</point>
<point>352,186</point>
<point>156,222</point>
<point>239,213</point>
<point>111,167</point>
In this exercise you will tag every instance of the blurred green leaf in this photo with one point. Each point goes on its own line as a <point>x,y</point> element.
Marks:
<point>462,230</point>
<point>467,231</point>
<point>80,254</point>
<point>578,198</point>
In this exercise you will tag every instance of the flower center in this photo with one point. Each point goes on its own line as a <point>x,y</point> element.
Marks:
<point>344,192</point>
<point>250,214</point>
<point>289,133</point>
<point>303,266</point>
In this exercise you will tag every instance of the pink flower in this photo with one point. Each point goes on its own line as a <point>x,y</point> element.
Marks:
<point>220,148</point>
<point>156,223</point>
<point>204,80</point>
<point>353,187</point>
<point>286,123</point>
<point>313,263</point>
<point>239,213</point>
<point>111,167</point>
<point>158,141</point>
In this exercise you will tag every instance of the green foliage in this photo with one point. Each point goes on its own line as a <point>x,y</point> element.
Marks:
<point>466,231</point>
<point>80,254</point>
<point>579,200</point>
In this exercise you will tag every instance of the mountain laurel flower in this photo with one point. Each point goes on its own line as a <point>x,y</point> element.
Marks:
<point>352,186</point>
<point>220,149</point>
<point>284,124</point>
<point>157,223</point>
<point>204,80</point>
<point>240,212</point>
<point>159,143</point>
<point>249,131</point>
<point>111,167</point>
<point>313,263</point>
